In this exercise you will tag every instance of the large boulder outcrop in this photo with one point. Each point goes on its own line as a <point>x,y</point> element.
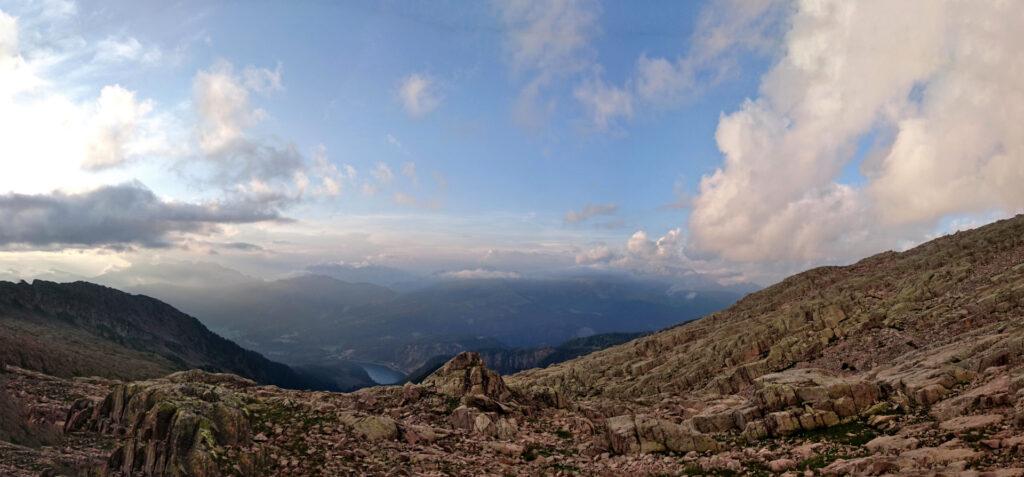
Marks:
<point>169,427</point>
<point>632,434</point>
<point>466,374</point>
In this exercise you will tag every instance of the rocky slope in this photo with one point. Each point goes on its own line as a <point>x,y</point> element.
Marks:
<point>81,329</point>
<point>905,363</point>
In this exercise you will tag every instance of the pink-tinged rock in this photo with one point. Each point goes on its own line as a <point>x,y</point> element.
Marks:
<point>781,465</point>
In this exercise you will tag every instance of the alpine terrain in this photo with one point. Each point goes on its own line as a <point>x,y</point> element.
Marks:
<point>902,363</point>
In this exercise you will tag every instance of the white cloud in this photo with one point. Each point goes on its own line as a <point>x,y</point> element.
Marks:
<point>546,41</point>
<point>235,159</point>
<point>369,189</point>
<point>724,30</point>
<point>604,103</point>
<point>599,254</point>
<point>667,257</point>
<point>402,198</point>
<point>590,211</point>
<point>225,111</point>
<point>113,50</point>
<point>549,36</point>
<point>419,95</point>
<point>262,80</point>
<point>382,173</point>
<point>333,179</point>
<point>409,171</point>
<point>51,135</point>
<point>16,74</point>
<point>116,126</point>
<point>941,78</point>
<point>480,274</point>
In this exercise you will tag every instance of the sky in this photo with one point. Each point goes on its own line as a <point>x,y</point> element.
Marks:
<point>735,140</point>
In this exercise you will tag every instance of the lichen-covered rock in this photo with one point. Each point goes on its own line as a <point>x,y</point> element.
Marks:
<point>369,427</point>
<point>630,434</point>
<point>483,423</point>
<point>466,374</point>
<point>891,444</point>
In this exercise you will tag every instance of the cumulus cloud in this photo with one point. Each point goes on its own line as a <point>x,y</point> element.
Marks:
<point>222,100</point>
<point>939,79</point>
<point>113,216</point>
<point>590,211</point>
<point>116,125</point>
<point>50,136</point>
<point>241,162</point>
<point>599,254</point>
<point>480,274</point>
<point>419,95</point>
<point>668,257</point>
<point>333,179</point>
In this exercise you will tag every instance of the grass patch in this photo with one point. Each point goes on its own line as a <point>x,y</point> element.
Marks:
<point>451,403</point>
<point>852,433</point>
<point>532,451</point>
<point>559,467</point>
<point>820,460</point>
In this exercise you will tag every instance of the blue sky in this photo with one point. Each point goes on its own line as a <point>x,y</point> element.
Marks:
<point>736,140</point>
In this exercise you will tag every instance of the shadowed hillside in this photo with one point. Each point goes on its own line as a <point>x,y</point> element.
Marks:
<point>81,329</point>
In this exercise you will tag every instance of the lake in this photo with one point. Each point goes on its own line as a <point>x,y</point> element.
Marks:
<point>381,374</point>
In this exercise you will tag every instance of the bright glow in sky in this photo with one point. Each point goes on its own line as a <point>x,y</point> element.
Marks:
<point>739,140</point>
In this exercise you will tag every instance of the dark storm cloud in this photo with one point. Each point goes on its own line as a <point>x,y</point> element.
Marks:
<point>113,216</point>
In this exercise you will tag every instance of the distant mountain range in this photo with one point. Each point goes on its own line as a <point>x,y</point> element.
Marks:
<point>320,320</point>
<point>513,360</point>
<point>82,329</point>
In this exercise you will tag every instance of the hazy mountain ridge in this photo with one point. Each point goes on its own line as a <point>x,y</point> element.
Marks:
<point>313,318</point>
<point>80,328</point>
<point>513,360</point>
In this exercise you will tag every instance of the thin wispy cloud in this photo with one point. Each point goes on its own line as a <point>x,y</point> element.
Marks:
<point>590,211</point>
<point>419,95</point>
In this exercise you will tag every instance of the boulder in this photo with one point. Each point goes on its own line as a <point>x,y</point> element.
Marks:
<point>631,434</point>
<point>968,423</point>
<point>891,444</point>
<point>483,423</point>
<point>369,427</point>
<point>466,374</point>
